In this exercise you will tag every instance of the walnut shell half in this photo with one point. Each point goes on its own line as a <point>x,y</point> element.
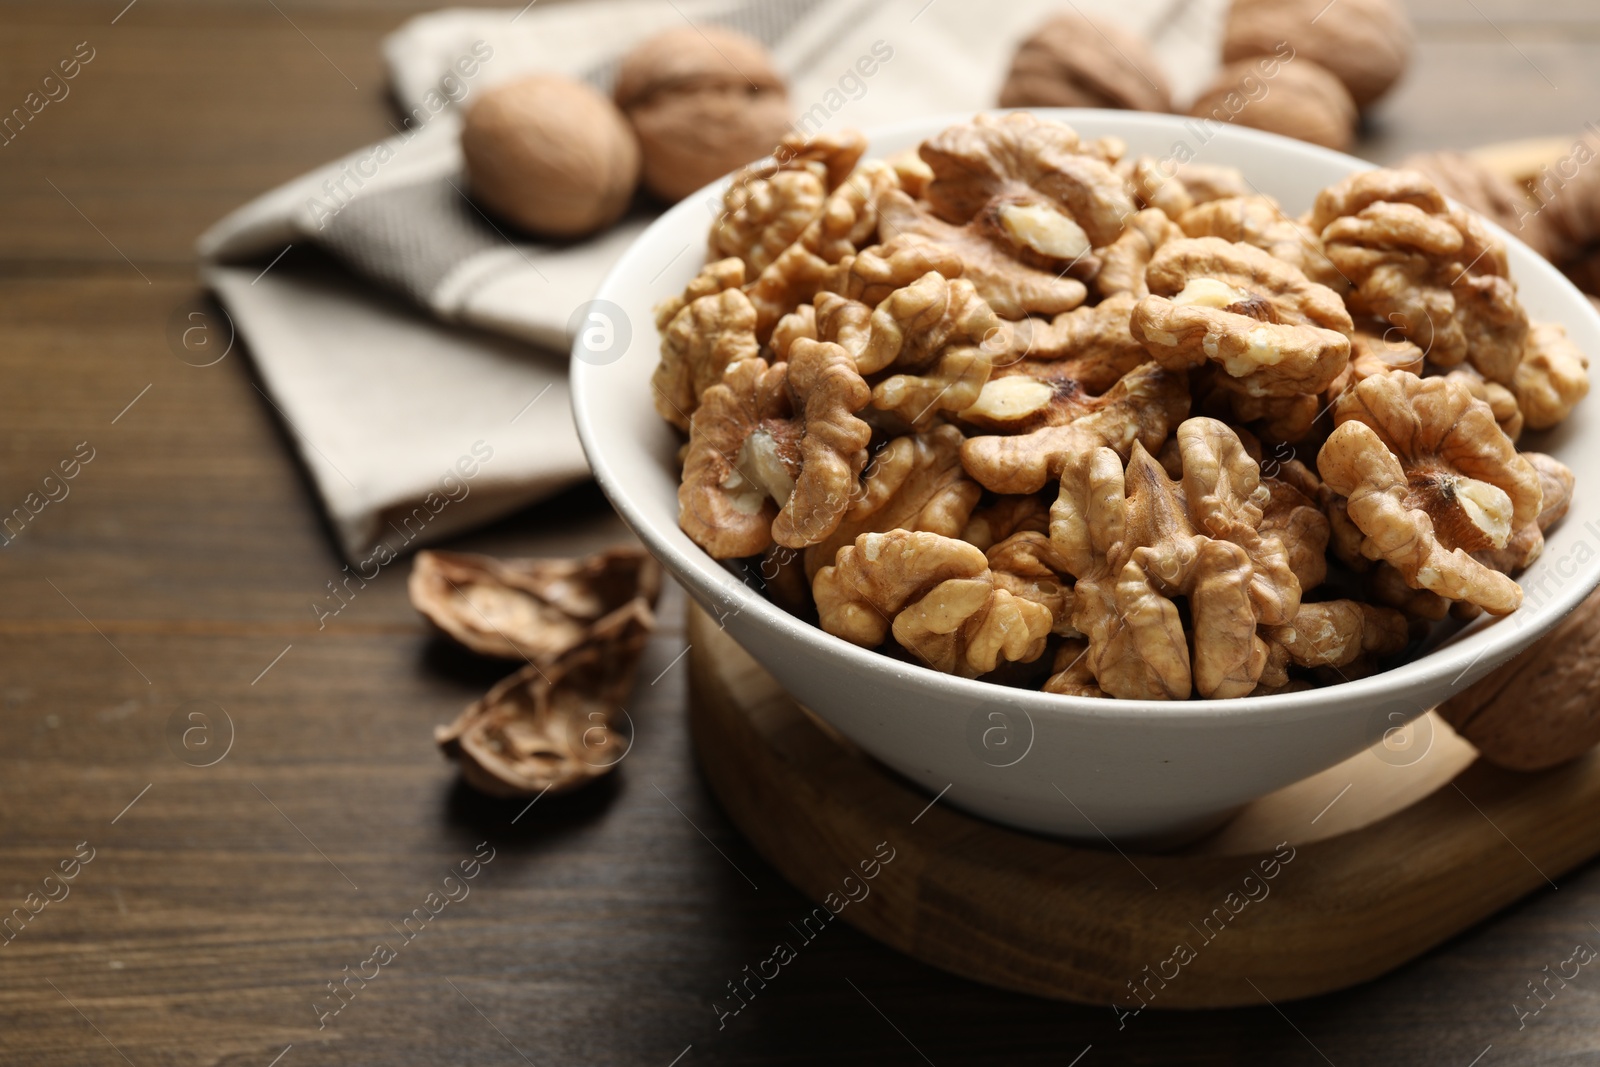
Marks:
<point>532,609</point>
<point>553,728</point>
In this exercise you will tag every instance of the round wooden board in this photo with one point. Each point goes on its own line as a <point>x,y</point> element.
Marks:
<point>1320,886</point>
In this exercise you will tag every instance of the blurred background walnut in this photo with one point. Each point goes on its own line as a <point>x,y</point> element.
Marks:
<point>1364,43</point>
<point>1077,61</point>
<point>1294,97</point>
<point>551,155</point>
<point>703,101</point>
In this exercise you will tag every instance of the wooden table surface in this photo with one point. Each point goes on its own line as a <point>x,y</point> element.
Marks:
<point>178,575</point>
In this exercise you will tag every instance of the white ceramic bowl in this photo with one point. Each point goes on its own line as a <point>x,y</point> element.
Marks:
<point>1125,769</point>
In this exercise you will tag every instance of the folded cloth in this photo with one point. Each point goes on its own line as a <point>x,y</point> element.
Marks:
<point>380,400</point>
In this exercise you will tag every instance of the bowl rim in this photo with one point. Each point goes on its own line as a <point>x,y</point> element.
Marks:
<point>708,579</point>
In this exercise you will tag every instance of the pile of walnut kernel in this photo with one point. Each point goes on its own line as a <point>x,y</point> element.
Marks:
<point>1020,406</point>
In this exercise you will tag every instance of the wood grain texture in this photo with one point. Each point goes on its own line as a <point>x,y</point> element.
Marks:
<point>609,922</point>
<point>1089,923</point>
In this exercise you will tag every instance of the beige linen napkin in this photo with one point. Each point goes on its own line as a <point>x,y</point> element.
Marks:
<point>392,350</point>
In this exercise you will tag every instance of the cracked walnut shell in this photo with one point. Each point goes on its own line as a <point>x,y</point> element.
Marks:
<point>1429,478</point>
<point>937,595</point>
<point>553,727</point>
<point>1270,328</point>
<point>532,609</point>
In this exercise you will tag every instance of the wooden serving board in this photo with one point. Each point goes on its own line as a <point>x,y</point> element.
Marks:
<point>1371,863</point>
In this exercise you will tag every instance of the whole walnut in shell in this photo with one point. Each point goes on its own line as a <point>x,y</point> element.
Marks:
<point>1365,43</point>
<point>703,100</point>
<point>1298,99</point>
<point>1077,61</point>
<point>551,155</point>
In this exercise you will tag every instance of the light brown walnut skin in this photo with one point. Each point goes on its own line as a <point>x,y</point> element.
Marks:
<point>1142,407</point>
<point>703,100</point>
<point>1366,43</point>
<point>1012,288</point>
<point>1542,708</point>
<point>1135,540</point>
<point>1302,100</point>
<point>1432,271</point>
<point>1409,506</point>
<point>1305,323</point>
<point>937,595</point>
<point>1019,154</point>
<point>1077,61</point>
<point>913,483</point>
<point>751,396</point>
<point>551,155</point>
<point>1552,377</point>
<point>700,341</point>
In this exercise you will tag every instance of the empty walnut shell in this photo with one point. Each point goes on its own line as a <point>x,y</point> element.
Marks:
<point>532,609</point>
<point>1077,61</point>
<point>703,101</point>
<point>1297,99</point>
<point>554,727</point>
<point>1365,43</point>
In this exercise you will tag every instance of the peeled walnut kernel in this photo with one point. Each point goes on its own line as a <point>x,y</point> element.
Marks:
<point>1141,408</point>
<point>1138,542</point>
<point>1271,329</point>
<point>550,154</point>
<point>1431,271</point>
<point>1429,478</point>
<point>1301,100</point>
<point>703,101</point>
<point>1466,179</point>
<point>912,483</point>
<point>712,326</point>
<point>937,595</point>
<point>1077,61</point>
<point>1552,377</point>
